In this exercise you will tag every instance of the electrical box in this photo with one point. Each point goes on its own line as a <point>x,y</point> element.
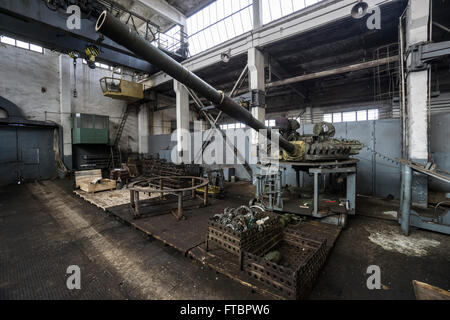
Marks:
<point>90,129</point>
<point>122,89</point>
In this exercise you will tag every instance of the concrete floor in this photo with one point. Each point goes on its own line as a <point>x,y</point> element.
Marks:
<point>44,228</point>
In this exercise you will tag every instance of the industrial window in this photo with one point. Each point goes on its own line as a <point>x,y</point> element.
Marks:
<point>337,117</point>
<point>349,116</point>
<point>361,115</point>
<point>276,9</point>
<point>223,20</point>
<point>220,21</point>
<point>232,126</point>
<point>372,114</point>
<point>270,123</point>
<point>21,44</point>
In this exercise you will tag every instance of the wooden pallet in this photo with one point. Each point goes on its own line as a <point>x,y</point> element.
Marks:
<point>107,199</point>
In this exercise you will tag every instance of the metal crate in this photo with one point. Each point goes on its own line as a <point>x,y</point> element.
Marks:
<point>304,256</point>
<point>235,242</point>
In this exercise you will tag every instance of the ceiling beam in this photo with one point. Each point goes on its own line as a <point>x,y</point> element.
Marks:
<point>281,73</point>
<point>162,8</point>
<point>327,73</point>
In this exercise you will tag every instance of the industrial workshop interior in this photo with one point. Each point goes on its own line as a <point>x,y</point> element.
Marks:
<point>224,150</point>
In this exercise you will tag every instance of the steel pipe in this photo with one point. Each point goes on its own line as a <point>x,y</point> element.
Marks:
<point>124,35</point>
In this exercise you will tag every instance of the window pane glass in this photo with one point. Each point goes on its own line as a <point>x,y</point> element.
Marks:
<point>337,117</point>
<point>100,122</point>
<point>362,115</point>
<point>349,116</point>
<point>7,40</point>
<point>372,114</point>
<point>36,48</point>
<point>87,121</point>
<point>24,45</point>
<point>328,117</point>
<point>275,9</point>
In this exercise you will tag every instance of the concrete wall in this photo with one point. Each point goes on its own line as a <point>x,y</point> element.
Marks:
<point>37,83</point>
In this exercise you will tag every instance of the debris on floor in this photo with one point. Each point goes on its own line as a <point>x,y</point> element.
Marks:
<point>391,239</point>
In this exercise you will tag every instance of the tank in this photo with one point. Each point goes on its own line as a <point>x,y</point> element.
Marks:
<point>292,150</point>
<point>321,144</point>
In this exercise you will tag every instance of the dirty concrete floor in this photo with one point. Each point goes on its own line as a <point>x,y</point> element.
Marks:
<point>44,228</point>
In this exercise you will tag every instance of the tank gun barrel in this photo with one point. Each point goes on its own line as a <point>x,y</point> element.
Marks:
<point>122,34</point>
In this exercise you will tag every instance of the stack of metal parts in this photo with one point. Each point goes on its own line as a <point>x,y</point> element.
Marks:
<point>242,219</point>
<point>120,174</point>
<point>152,167</point>
<point>241,228</point>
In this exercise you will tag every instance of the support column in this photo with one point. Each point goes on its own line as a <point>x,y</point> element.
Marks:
<point>257,14</point>
<point>182,111</point>
<point>308,115</point>
<point>143,127</point>
<point>417,30</point>
<point>65,106</point>
<point>256,67</point>
<point>157,123</point>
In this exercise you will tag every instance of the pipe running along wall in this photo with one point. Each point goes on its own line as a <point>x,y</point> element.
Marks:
<point>114,29</point>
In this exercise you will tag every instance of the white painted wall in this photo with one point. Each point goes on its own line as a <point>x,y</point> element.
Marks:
<point>24,73</point>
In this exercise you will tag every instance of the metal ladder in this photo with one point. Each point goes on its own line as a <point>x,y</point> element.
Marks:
<point>123,121</point>
<point>115,145</point>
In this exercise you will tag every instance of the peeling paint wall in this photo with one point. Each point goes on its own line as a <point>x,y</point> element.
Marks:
<point>32,81</point>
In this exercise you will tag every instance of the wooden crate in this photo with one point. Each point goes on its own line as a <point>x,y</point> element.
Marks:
<point>84,179</point>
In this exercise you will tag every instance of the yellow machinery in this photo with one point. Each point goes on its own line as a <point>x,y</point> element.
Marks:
<point>122,89</point>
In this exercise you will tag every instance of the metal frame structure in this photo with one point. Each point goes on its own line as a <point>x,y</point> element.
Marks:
<point>409,217</point>
<point>47,26</point>
<point>157,185</point>
<point>274,182</point>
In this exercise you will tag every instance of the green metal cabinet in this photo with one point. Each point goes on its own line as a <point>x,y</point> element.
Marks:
<point>90,129</point>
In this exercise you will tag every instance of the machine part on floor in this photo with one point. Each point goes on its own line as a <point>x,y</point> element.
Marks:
<point>269,192</point>
<point>216,181</point>
<point>288,218</point>
<point>164,185</point>
<point>408,217</point>
<point>114,29</point>
<point>274,256</point>
<point>337,220</point>
<point>121,174</point>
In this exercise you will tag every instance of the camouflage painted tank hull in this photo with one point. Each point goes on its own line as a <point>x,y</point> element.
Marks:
<point>319,146</point>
